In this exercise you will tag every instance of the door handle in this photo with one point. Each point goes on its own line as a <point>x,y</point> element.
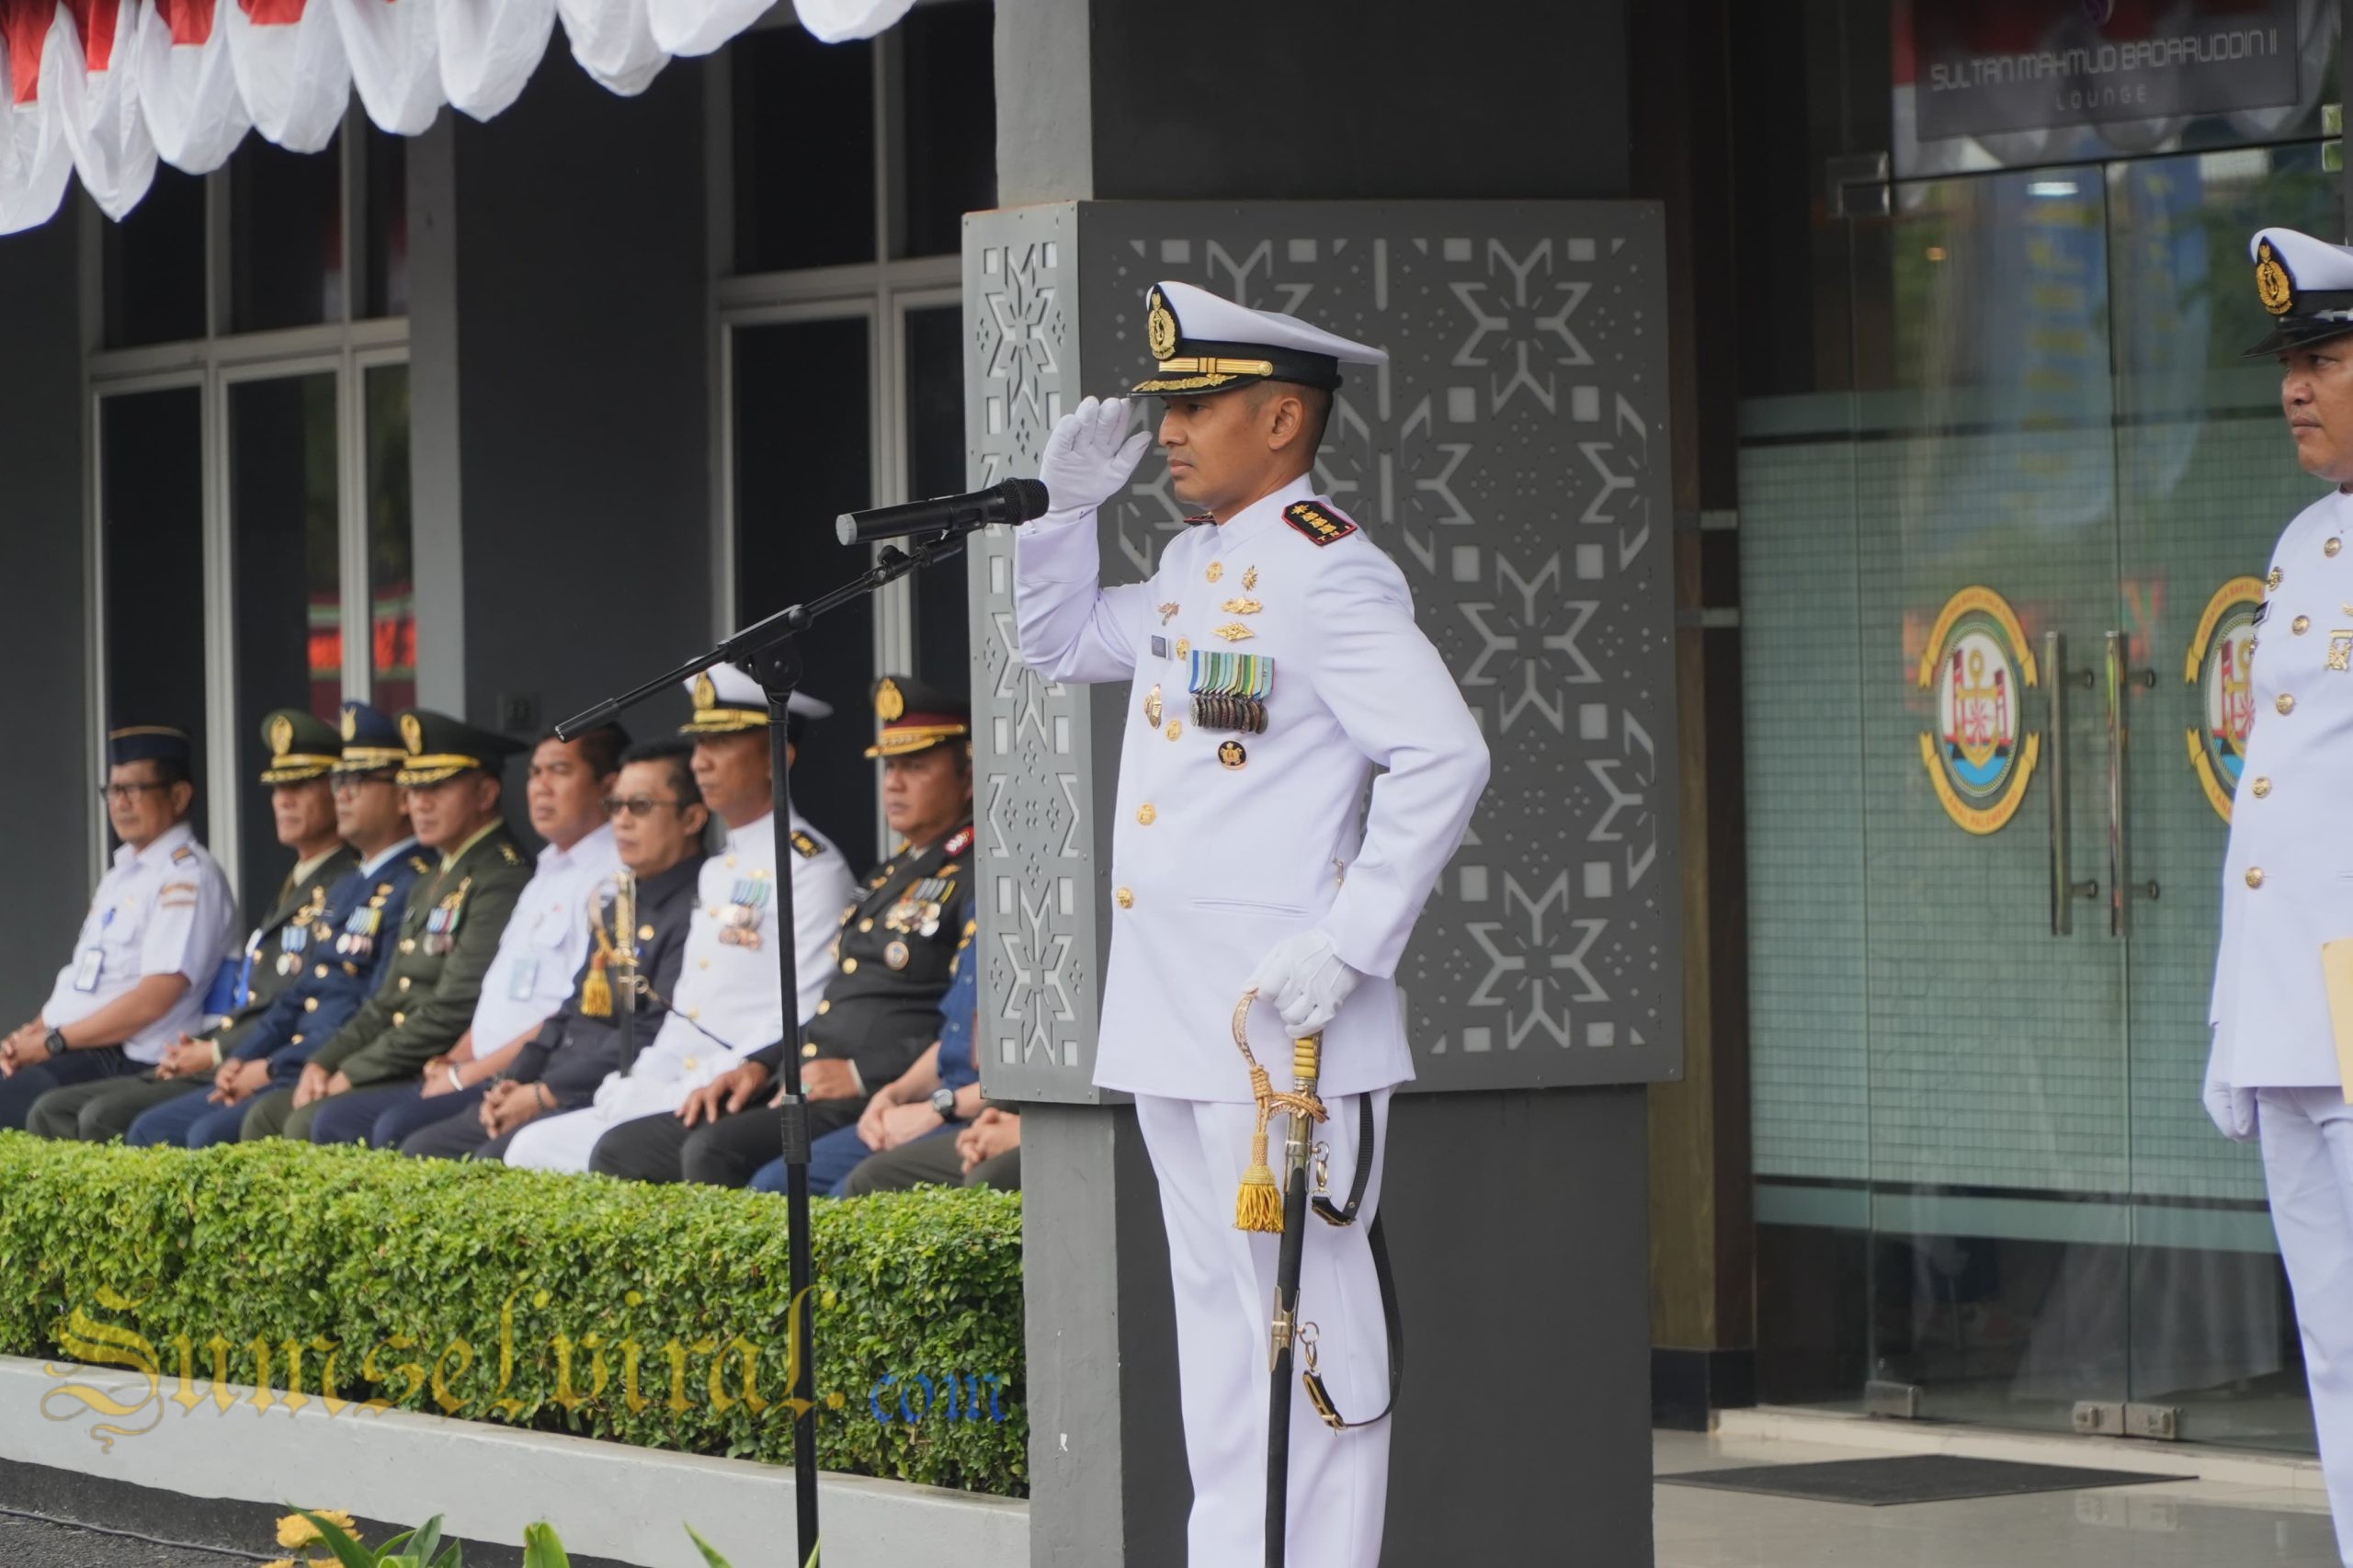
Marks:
<point>2122,889</point>
<point>2064,889</point>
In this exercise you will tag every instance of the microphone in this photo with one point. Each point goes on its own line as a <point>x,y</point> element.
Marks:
<point>1014,501</point>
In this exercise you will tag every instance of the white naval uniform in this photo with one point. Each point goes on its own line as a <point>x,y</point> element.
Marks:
<point>545,941</point>
<point>726,1002</point>
<point>162,910</point>
<point>2288,888</point>
<point>1211,867</point>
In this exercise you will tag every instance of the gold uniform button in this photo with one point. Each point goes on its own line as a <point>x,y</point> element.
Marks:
<point>2302,624</point>
<point>1176,728</point>
<point>1127,897</point>
<point>2262,788</point>
<point>322,969</point>
<point>310,1003</point>
<point>730,860</point>
<point>294,1039</point>
<point>703,963</point>
<point>694,1013</point>
<point>867,924</point>
<point>2287,703</point>
<point>1147,814</point>
<point>808,1052</point>
<point>399,1018</point>
<point>849,966</point>
<point>408,944</point>
<point>824,1006</point>
<point>404,982</point>
<point>2255,876</point>
<point>2332,547</point>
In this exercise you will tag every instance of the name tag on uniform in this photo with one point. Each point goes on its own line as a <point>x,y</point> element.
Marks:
<point>87,968</point>
<point>527,975</point>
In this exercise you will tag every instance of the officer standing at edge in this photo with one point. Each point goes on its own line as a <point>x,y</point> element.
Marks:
<point>1274,661</point>
<point>2274,1073</point>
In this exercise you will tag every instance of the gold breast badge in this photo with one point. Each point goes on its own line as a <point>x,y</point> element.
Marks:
<point>1235,632</point>
<point>1152,708</point>
<point>1250,578</point>
<point>1217,570</point>
<point>1242,606</point>
<point>1168,614</point>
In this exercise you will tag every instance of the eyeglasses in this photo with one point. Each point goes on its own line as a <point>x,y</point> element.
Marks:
<point>638,805</point>
<point>123,794</point>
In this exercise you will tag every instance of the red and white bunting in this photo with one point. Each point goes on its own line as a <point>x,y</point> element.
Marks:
<point>394,47</point>
<point>489,49</point>
<point>90,84</point>
<point>614,43</point>
<point>109,87</point>
<point>36,160</point>
<point>291,69</point>
<point>188,86</point>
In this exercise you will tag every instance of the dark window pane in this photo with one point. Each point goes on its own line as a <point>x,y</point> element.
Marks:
<point>153,265</point>
<point>948,120</point>
<point>285,236</point>
<point>289,624</point>
<point>387,225</point>
<point>804,150</point>
<point>935,467</point>
<point>392,593</point>
<point>801,455</point>
<point>151,487</point>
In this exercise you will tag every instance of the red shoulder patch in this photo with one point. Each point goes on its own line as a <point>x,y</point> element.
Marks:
<point>1318,522</point>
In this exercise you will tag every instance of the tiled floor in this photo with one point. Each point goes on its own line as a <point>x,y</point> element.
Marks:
<point>2164,1524</point>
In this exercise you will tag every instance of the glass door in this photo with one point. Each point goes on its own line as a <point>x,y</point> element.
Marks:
<point>2063,481</point>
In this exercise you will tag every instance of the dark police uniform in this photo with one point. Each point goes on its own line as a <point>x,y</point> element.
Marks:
<point>581,1041</point>
<point>449,935</point>
<point>894,958</point>
<point>302,749</point>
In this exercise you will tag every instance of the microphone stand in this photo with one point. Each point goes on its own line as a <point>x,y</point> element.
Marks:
<point>769,651</point>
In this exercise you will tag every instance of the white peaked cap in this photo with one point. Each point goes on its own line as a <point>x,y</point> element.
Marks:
<point>1202,343</point>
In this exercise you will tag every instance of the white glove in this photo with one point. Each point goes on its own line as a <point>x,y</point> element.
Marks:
<point>2233,1110</point>
<point>1089,456</point>
<point>1305,981</point>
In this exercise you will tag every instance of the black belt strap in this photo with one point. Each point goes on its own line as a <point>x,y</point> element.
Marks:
<point>1392,1321</point>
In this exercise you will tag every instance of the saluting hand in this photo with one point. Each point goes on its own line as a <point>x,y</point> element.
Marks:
<point>1090,454</point>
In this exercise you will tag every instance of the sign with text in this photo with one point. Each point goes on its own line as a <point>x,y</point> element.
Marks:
<point>1988,66</point>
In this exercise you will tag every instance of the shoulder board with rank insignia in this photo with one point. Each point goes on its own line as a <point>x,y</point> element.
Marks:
<point>961,842</point>
<point>512,858</point>
<point>808,849</point>
<point>185,853</point>
<point>1318,522</point>
<point>419,864</point>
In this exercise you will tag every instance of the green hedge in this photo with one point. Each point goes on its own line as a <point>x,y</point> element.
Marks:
<point>163,1257</point>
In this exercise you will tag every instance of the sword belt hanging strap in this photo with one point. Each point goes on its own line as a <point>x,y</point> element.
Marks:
<point>1392,1318</point>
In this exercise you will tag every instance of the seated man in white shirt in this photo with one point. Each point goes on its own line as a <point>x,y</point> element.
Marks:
<point>727,1002</point>
<point>543,945</point>
<point>159,925</point>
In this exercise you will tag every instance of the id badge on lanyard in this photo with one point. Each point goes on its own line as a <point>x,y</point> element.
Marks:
<point>93,962</point>
<point>527,976</point>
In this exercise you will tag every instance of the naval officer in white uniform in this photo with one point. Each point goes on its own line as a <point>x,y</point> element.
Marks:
<point>1275,665</point>
<point>2288,881</point>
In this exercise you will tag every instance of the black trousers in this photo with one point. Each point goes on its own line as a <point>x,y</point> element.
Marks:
<point>719,1154</point>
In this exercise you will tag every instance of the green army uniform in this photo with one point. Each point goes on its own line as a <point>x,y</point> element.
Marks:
<point>302,748</point>
<point>449,935</point>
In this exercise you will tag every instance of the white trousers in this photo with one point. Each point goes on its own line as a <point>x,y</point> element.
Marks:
<point>2308,1165</point>
<point>1225,1291</point>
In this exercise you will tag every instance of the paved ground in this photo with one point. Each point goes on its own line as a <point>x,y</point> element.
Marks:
<point>34,1543</point>
<point>2164,1524</point>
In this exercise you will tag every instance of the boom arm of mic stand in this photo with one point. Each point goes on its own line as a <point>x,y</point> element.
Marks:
<point>893,564</point>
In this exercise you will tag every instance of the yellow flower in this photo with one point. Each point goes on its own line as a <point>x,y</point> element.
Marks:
<point>294,1531</point>
<point>281,1562</point>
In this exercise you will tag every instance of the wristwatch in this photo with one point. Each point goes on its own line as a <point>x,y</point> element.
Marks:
<point>55,1042</point>
<point>943,1100</point>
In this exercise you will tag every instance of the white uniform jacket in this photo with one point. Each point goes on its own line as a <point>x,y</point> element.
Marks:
<point>1213,864</point>
<point>2287,878</point>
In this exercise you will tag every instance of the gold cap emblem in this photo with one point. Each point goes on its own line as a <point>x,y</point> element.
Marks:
<point>281,735</point>
<point>413,735</point>
<point>351,723</point>
<point>889,702</point>
<point>1159,326</point>
<point>2273,284</point>
<point>706,691</point>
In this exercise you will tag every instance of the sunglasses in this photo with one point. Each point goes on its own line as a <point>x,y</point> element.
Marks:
<point>638,805</point>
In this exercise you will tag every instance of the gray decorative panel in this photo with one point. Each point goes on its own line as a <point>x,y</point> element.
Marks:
<point>1512,459</point>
